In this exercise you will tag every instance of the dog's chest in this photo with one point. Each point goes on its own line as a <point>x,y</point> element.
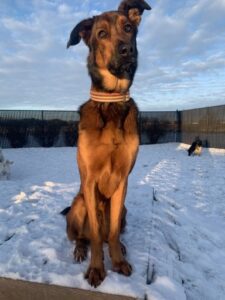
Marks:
<point>108,138</point>
<point>109,143</point>
<point>111,159</point>
<point>112,135</point>
<point>104,124</point>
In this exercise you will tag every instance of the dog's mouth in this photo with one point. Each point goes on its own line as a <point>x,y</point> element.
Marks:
<point>124,69</point>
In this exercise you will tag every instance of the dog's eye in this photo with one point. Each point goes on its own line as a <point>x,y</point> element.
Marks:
<point>102,34</point>
<point>127,28</point>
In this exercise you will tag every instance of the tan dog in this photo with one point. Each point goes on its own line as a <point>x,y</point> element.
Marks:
<point>108,137</point>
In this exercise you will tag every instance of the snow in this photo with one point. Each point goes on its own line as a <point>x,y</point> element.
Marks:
<point>175,228</point>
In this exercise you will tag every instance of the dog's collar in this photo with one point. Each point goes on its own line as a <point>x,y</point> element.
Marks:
<point>109,97</point>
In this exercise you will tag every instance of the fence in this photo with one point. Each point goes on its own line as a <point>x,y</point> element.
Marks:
<point>59,128</point>
<point>159,127</point>
<point>38,128</point>
<point>208,123</point>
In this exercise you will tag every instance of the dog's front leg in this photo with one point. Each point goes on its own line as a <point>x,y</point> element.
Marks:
<point>96,272</point>
<point>119,263</point>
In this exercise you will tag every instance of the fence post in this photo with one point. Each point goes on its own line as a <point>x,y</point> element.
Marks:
<point>43,128</point>
<point>178,129</point>
<point>140,127</point>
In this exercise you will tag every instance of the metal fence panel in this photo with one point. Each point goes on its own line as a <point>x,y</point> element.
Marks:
<point>206,123</point>
<point>60,128</point>
<point>158,127</point>
<point>38,128</point>
<point>20,114</point>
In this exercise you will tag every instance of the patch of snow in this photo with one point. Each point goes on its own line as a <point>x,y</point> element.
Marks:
<point>174,234</point>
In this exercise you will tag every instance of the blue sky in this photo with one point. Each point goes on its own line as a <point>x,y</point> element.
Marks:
<point>181,47</point>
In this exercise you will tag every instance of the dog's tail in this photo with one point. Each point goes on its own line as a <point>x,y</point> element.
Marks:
<point>65,211</point>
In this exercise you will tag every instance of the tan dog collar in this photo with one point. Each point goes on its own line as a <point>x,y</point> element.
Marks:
<point>109,97</point>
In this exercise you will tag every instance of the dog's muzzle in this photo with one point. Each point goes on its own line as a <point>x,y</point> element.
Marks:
<point>126,50</point>
<point>124,62</point>
<point>123,68</point>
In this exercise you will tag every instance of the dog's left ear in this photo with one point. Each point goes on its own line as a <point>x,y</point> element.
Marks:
<point>134,9</point>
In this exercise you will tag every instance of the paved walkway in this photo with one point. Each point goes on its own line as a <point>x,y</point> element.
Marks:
<point>23,290</point>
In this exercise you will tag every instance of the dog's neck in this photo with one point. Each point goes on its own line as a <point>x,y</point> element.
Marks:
<point>101,96</point>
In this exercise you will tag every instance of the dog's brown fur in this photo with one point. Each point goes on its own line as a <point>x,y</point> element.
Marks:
<point>108,139</point>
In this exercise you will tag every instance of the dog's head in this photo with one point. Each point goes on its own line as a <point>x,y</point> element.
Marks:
<point>111,39</point>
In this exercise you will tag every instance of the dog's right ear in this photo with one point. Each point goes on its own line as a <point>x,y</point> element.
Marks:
<point>81,30</point>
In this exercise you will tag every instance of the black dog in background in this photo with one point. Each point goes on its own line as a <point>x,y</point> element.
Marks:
<point>196,147</point>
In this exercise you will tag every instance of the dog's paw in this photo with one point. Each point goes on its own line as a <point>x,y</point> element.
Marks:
<point>80,253</point>
<point>95,276</point>
<point>122,267</point>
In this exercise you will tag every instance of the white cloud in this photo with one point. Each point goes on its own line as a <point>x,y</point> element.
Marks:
<point>64,9</point>
<point>14,25</point>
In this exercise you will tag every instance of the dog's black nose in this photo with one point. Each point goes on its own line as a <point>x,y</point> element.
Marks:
<point>125,49</point>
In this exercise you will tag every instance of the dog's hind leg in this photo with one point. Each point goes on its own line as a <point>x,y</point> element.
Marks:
<point>77,227</point>
<point>81,250</point>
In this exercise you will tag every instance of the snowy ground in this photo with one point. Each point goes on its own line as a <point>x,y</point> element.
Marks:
<point>175,239</point>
